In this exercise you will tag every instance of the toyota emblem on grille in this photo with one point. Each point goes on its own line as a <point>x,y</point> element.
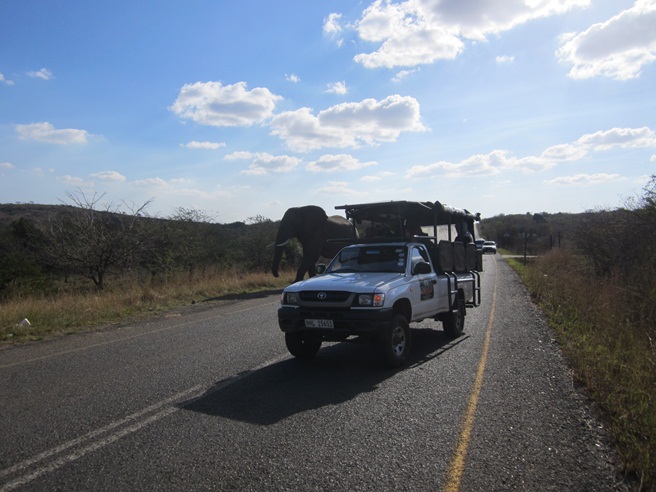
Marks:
<point>321,296</point>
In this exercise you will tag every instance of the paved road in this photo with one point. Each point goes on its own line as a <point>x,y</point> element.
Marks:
<point>208,399</point>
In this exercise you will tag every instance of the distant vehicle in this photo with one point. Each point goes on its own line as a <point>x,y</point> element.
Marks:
<point>479,244</point>
<point>489,247</point>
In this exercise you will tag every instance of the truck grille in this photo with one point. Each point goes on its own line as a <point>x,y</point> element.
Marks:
<point>325,296</point>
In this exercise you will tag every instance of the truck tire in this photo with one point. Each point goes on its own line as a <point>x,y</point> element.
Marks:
<point>301,346</point>
<point>454,322</point>
<point>397,341</point>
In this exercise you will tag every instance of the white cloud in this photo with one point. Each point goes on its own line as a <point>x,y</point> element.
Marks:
<point>331,24</point>
<point>476,165</point>
<point>617,48</point>
<point>332,28</point>
<point>484,17</point>
<point>339,188</point>
<point>44,74</point>
<point>38,171</point>
<point>213,104</point>
<point>505,59</point>
<point>239,155</point>
<point>69,180</point>
<point>403,74</point>
<point>340,162</point>
<point>337,88</point>
<point>109,176</point>
<point>293,78</point>
<point>349,124</point>
<point>6,165</point>
<point>203,145</point>
<point>584,179</point>
<point>262,163</point>
<point>619,137</point>
<point>179,188</point>
<point>45,132</point>
<point>151,183</point>
<point>5,81</point>
<point>495,162</point>
<point>407,35</point>
<point>418,32</point>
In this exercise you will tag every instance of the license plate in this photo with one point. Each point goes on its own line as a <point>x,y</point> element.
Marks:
<point>319,323</point>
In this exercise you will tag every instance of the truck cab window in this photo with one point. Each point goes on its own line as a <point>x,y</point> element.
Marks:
<point>418,255</point>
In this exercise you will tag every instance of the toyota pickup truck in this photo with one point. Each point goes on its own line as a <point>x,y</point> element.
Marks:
<point>394,274</point>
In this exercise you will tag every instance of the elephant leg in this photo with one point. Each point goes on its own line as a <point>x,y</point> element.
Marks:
<point>311,253</point>
<point>307,266</point>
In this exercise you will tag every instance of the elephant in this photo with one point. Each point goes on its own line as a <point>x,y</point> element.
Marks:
<point>312,227</point>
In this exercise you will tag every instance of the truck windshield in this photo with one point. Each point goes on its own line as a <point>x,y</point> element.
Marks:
<point>369,259</point>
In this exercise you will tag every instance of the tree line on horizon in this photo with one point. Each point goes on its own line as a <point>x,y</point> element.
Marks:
<point>89,241</point>
<point>92,241</point>
<point>611,240</point>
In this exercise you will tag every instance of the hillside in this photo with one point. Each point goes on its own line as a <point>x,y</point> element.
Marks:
<point>538,231</point>
<point>37,213</point>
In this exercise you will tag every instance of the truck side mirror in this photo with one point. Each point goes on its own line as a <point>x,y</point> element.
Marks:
<point>320,268</point>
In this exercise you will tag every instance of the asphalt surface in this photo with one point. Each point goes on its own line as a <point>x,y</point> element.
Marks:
<point>207,398</point>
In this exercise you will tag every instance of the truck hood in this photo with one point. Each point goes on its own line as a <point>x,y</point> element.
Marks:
<point>353,282</point>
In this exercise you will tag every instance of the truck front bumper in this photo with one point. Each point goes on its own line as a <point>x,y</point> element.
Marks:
<point>360,322</point>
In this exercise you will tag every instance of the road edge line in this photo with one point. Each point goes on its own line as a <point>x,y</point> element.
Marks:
<point>457,464</point>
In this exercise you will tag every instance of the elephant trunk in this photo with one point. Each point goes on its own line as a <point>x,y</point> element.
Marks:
<point>277,255</point>
<point>282,238</point>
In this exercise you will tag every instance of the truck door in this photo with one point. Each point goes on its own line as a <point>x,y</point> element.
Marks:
<point>425,285</point>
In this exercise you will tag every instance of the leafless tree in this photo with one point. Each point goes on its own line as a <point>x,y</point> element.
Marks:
<point>94,238</point>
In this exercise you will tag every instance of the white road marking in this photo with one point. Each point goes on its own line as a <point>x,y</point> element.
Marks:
<point>94,440</point>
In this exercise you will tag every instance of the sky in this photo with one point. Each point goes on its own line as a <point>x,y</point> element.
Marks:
<point>242,110</point>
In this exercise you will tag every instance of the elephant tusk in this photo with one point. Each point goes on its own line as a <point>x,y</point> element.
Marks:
<point>282,244</point>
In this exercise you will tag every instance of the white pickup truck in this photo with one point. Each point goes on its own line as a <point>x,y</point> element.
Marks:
<point>374,288</point>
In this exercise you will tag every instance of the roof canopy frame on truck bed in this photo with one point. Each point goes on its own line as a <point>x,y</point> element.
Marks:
<point>408,213</point>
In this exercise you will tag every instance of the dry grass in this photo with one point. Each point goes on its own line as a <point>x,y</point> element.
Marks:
<point>83,308</point>
<point>608,339</point>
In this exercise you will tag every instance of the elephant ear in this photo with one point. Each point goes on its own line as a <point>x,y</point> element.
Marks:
<point>315,214</point>
<point>312,222</point>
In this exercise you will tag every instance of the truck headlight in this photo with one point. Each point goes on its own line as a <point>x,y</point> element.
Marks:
<point>373,300</point>
<point>290,298</point>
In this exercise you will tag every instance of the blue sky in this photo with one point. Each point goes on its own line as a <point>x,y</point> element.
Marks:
<point>244,109</point>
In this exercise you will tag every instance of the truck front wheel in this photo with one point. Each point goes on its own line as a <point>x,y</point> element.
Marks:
<point>454,322</point>
<point>397,341</point>
<point>301,346</point>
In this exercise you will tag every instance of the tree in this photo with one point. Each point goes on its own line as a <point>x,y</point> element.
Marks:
<point>190,215</point>
<point>93,239</point>
<point>19,262</point>
<point>194,241</point>
<point>257,242</point>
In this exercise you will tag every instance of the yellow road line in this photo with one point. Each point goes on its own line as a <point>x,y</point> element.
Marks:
<point>457,465</point>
